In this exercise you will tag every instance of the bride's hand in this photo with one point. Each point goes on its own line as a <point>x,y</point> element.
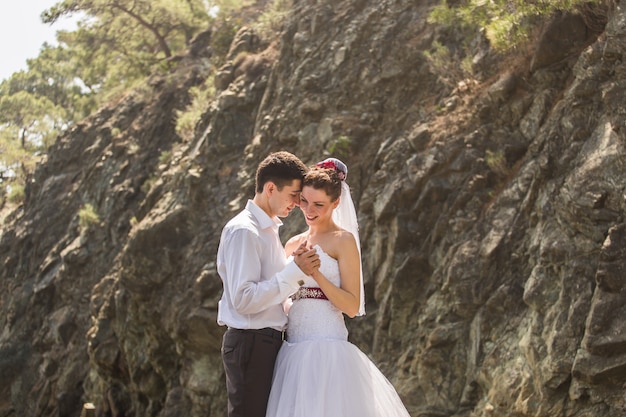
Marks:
<point>307,259</point>
<point>300,249</point>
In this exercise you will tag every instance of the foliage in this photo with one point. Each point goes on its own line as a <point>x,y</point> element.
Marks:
<point>87,216</point>
<point>340,147</point>
<point>123,39</point>
<point>148,184</point>
<point>117,44</point>
<point>445,64</point>
<point>15,161</point>
<point>27,124</point>
<point>506,23</point>
<point>228,7</point>
<point>224,30</point>
<point>16,194</point>
<point>165,157</point>
<point>271,20</point>
<point>32,118</point>
<point>55,75</point>
<point>33,111</point>
<point>497,162</point>
<point>201,97</point>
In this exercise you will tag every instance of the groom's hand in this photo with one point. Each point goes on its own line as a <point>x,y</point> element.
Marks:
<point>307,259</point>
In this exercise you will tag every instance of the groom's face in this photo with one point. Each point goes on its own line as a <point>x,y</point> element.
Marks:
<point>283,201</point>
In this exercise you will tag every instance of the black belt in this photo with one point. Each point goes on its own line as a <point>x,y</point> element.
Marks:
<point>267,331</point>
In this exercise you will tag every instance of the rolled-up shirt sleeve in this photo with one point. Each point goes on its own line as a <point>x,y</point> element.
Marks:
<point>249,291</point>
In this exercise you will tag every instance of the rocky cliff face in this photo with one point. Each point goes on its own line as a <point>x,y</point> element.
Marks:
<point>491,212</point>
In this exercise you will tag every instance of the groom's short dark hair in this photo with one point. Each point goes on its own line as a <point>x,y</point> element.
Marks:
<point>281,168</point>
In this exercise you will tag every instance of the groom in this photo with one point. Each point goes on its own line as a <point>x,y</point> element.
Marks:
<point>257,278</point>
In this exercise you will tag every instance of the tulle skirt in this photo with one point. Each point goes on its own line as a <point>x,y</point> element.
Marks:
<point>330,378</point>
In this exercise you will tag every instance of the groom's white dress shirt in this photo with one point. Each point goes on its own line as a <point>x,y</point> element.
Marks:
<point>257,276</point>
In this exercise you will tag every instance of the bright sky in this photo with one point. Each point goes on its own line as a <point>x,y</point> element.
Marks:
<point>22,33</point>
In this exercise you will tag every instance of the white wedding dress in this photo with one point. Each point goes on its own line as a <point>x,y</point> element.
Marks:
<point>318,373</point>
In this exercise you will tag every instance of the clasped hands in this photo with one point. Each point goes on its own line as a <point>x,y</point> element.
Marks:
<point>306,258</point>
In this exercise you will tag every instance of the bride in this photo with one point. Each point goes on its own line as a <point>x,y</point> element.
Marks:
<point>318,373</point>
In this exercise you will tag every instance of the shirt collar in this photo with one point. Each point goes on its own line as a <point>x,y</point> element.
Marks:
<point>262,217</point>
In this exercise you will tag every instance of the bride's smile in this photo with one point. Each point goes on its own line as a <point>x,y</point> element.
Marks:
<point>316,206</point>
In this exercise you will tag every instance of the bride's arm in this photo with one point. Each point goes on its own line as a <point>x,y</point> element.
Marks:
<point>346,297</point>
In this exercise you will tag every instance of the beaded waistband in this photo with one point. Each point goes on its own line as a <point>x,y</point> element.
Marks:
<point>309,292</point>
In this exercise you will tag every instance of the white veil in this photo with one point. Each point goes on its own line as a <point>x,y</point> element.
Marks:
<point>345,217</point>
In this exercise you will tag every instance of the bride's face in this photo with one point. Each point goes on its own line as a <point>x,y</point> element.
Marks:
<point>316,205</point>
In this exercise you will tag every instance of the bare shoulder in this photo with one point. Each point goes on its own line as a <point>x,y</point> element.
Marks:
<point>346,238</point>
<point>342,243</point>
<point>294,242</point>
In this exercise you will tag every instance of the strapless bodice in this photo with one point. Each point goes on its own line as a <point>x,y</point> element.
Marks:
<point>312,319</point>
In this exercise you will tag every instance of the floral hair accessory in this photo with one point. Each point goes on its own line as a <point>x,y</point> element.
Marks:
<point>337,165</point>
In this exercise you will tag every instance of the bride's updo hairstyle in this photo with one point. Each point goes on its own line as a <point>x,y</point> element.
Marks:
<point>326,179</point>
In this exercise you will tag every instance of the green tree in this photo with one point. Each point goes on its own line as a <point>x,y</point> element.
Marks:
<point>123,39</point>
<point>28,124</point>
<point>14,160</point>
<point>57,74</point>
<point>30,119</point>
<point>116,44</point>
<point>506,23</point>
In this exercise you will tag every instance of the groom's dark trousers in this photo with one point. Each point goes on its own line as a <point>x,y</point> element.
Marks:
<point>249,357</point>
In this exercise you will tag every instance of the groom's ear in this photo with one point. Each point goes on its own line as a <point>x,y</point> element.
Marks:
<point>269,188</point>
